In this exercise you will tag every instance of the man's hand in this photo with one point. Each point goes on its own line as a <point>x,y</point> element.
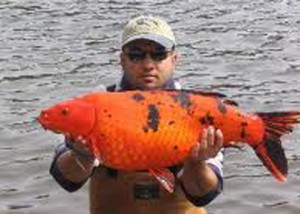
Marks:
<point>197,177</point>
<point>79,147</point>
<point>209,146</point>
<point>77,164</point>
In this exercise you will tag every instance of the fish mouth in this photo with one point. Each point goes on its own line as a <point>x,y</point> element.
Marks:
<point>42,120</point>
<point>46,126</point>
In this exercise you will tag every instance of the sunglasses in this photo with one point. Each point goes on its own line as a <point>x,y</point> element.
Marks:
<point>157,55</point>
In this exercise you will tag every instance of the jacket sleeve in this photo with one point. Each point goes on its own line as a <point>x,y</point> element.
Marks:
<point>216,164</point>
<point>57,174</point>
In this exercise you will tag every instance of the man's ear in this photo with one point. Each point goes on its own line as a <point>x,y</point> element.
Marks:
<point>122,58</point>
<point>175,57</point>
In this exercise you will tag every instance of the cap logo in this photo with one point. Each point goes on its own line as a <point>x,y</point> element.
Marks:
<point>146,25</point>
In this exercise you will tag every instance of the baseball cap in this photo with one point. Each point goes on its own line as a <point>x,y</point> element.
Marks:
<point>151,28</point>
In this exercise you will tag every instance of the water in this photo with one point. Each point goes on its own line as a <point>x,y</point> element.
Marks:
<point>51,50</point>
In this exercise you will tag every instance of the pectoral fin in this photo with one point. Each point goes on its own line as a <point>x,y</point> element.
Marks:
<point>165,177</point>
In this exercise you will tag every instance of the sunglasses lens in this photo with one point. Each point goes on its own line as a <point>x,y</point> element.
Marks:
<point>159,55</point>
<point>136,56</point>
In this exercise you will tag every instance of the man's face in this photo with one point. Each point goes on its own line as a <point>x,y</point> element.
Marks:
<point>146,64</point>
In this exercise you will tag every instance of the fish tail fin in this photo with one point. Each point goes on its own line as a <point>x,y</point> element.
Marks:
<point>270,150</point>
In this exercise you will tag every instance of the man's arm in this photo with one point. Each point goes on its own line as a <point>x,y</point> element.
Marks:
<point>70,168</point>
<point>201,179</point>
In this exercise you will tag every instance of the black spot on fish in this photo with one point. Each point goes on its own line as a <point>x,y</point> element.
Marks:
<point>207,119</point>
<point>153,117</point>
<point>202,121</point>
<point>171,122</point>
<point>210,119</point>
<point>175,147</point>
<point>106,112</point>
<point>65,111</point>
<point>182,98</point>
<point>191,112</point>
<point>145,129</point>
<point>244,132</point>
<point>138,97</point>
<point>221,106</point>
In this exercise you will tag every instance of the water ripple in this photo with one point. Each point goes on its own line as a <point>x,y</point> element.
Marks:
<point>276,204</point>
<point>19,206</point>
<point>22,77</point>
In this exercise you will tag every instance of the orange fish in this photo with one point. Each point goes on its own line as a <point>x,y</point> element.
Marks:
<point>146,130</point>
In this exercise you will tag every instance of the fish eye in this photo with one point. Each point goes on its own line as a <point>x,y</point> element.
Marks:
<point>65,111</point>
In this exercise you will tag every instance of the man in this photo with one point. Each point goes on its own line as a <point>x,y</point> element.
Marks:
<point>148,60</point>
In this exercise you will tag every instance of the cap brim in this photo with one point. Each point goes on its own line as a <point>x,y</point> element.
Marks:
<point>167,43</point>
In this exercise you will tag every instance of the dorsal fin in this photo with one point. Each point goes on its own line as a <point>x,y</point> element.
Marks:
<point>203,93</point>
<point>210,94</point>
<point>230,102</point>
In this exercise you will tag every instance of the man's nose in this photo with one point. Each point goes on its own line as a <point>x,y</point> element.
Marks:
<point>149,62</point>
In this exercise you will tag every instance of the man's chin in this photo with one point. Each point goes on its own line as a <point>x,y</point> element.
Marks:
<point>149,87</point>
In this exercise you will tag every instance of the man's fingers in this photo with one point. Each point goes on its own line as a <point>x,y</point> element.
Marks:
<point>219,138</point>
<point>210,136</point>
<point>80,139</point>
<point>209,146</point>
<point>204,139</point>
<point>195,151</point>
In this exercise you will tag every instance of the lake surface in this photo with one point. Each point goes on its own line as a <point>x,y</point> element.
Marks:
<point>52,50</point>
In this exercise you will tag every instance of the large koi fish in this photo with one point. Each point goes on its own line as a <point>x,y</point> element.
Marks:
<point>140,130</point>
